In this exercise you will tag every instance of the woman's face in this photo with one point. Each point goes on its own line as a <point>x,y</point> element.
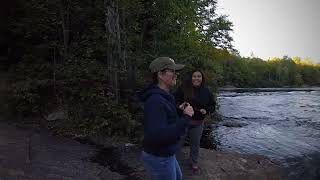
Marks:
<point>169,77</point>
<point>196,79</point>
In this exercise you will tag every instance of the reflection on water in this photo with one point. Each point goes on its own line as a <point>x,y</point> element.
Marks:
<point>285,126</point>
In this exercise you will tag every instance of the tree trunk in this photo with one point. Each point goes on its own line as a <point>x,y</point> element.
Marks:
<point>114,45</point>
<point>65,17</point>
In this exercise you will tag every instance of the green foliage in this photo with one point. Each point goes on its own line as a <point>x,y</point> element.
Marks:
<point>59,53</point>
<point>92,111</point>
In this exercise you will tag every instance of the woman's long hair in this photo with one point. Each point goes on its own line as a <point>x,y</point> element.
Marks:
<point>187,86</point>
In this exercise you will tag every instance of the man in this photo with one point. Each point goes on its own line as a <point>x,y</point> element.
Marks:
<point>163,126</point>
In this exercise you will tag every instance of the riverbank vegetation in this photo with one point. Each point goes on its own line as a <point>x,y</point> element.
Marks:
<point>89,59</point>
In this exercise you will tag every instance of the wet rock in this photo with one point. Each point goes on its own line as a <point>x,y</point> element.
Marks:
<point>122,159</point>
<point>56,115</point>
<point>233,124</point>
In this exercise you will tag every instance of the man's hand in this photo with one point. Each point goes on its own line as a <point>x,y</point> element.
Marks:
<point>188,110</point>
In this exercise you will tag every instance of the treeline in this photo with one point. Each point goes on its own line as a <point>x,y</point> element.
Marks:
<point>90,58</point>
<point>275,72</point>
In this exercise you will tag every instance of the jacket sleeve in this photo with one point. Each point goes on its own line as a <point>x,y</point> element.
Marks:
<point>211,106</point>
<point>157,127</point>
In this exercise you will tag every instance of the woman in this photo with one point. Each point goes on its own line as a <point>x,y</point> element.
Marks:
<point>163,126</point>
<point>195,92</point>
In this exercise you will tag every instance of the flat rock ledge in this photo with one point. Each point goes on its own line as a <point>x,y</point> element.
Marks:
<point>29,154</point>
<point>214,165</point>
<point>219,165</point>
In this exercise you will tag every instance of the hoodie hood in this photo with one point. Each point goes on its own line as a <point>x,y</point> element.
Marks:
<point>153,89</point>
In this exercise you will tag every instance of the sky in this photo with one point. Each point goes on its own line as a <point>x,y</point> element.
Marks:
<point>274,28</point>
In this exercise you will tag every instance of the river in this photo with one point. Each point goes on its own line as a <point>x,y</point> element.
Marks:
<point>282,125</point>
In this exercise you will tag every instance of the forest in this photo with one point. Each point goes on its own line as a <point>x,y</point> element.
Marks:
<point>89,59</point>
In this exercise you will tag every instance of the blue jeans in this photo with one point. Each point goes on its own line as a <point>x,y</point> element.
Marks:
<point>161,168</point>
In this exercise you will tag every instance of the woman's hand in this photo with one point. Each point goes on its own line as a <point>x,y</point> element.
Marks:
<point>203,111</point>
<point>183,105</point>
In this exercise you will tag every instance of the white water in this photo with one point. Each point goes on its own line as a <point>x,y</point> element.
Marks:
<point>284,126</point>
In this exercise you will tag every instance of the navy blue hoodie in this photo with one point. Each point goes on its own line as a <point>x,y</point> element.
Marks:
<point>163,126</point>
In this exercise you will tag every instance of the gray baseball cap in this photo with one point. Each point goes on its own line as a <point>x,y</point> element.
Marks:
<point>162,63</point>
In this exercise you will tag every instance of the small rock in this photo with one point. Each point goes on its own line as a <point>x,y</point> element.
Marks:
<point>128,144</point>
<point>59,115</point>
<point>243,160</point>
<point>233,124</point>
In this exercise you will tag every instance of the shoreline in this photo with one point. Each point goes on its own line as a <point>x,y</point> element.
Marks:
<point>240,90</point>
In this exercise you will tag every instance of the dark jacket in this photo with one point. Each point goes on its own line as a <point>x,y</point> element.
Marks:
<point>202,99</point>
<point>163,126</point>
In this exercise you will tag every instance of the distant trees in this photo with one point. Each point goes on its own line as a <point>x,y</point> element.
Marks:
<point>275,72</point>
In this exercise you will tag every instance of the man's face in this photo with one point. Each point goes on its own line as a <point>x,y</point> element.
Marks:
<point>169,77</point>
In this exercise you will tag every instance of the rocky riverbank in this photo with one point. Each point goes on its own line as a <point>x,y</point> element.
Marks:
<point>285,89</point>
<point>33,153</point>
